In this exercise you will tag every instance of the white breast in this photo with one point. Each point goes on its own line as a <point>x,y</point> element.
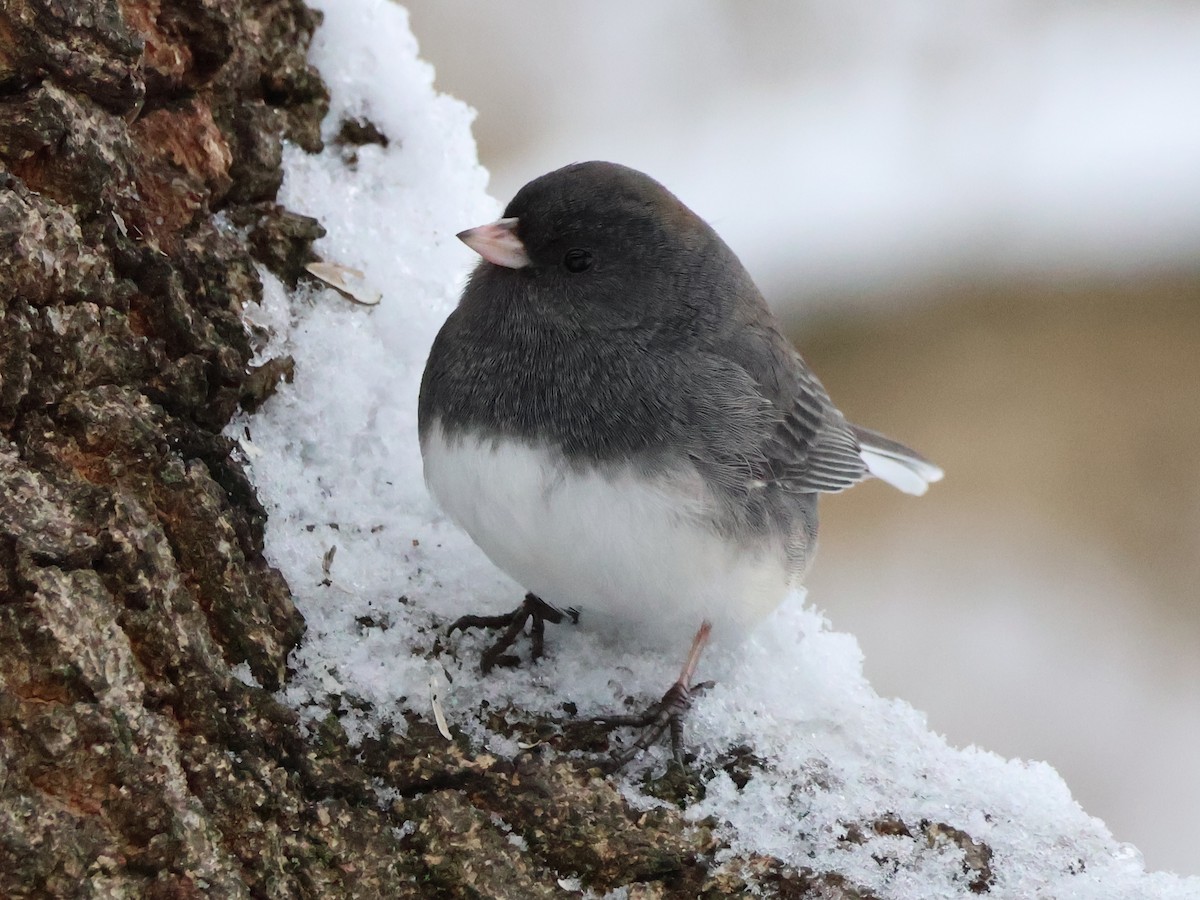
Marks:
<point>631,553</point>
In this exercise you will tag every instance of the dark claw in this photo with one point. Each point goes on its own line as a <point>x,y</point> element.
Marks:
<point>496,657</point>
<point>676,724</point>
<point>533,608</point>
<point>466,622</point>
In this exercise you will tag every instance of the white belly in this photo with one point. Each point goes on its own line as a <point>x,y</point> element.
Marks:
<point>631,554</point>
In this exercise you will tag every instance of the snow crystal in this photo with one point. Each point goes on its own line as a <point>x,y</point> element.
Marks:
<point>377,570</point>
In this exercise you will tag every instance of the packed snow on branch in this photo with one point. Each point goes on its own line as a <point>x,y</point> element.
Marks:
<point>377,570</point>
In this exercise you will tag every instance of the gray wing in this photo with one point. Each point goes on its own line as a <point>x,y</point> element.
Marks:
<point>809,447</point>
<point>813,448</point>
<point>799,442</point>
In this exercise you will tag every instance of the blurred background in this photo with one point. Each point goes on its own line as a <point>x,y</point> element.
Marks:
<point>981,223</point>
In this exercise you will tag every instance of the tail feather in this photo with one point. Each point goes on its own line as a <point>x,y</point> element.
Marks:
<point>901,467</point>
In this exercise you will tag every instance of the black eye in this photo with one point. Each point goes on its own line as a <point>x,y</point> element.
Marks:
<point>577,260</point>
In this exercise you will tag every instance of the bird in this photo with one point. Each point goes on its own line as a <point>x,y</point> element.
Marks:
<point>614,416</point>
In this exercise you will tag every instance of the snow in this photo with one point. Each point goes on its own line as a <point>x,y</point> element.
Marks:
<point>377,570</point>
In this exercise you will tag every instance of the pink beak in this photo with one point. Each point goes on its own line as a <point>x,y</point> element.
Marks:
<point>497,243</point>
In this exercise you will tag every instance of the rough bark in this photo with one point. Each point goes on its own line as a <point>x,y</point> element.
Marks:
<point>134,761</point>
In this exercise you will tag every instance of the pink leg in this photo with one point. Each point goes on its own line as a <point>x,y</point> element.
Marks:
<point>667,713</point>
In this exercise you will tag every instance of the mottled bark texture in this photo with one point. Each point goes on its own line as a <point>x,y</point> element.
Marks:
<point>133,762</point>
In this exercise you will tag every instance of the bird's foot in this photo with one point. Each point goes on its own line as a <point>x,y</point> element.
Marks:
<point>532,609</point>
<point>665,716</point>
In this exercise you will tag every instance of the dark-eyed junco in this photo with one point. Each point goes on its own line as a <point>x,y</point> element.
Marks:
<point>614,416</point>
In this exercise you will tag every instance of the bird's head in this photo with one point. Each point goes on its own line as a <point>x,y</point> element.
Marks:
<point>606,243</point>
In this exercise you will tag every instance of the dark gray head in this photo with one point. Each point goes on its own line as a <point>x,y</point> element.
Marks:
<point>599,243</point>
<point>601,320</point>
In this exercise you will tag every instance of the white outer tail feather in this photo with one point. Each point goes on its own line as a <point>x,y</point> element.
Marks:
<point>912,475</point>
